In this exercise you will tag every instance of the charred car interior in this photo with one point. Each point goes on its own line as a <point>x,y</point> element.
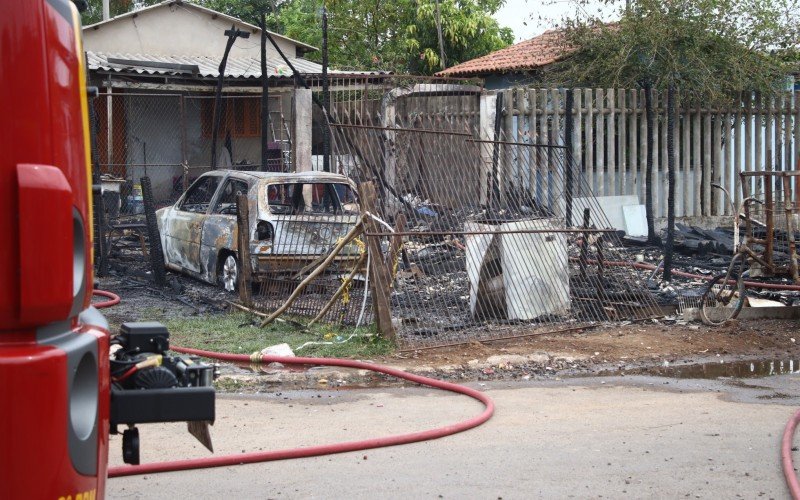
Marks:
<point>293,219</point>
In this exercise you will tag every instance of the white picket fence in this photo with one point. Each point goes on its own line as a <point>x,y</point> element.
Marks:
<point>610,142</point>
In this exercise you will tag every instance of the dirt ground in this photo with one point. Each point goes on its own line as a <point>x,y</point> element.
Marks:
<point>633,343</point>
<point>597,349</point>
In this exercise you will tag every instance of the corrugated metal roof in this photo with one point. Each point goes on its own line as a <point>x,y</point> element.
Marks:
<point>242,67</point>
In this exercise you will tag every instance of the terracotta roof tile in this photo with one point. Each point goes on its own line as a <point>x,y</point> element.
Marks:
<point>542,50</point>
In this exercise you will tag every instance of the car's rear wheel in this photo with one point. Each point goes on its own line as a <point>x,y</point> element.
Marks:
<point>229,273</point>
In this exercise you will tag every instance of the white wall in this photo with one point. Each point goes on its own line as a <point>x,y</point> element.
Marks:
<point>177,30</point>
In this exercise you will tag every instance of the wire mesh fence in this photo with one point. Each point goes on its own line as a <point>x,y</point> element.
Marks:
<point>471,236</point>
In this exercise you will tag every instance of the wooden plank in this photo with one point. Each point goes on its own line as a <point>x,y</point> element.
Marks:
<point>611,142</point>
<point>737,152</point>
<point>622,150</point>
<point>643,180</point>
<point>697,168</point>
<point>379,276</point>
<point>664,156</point>
<point>658,188</point>
<point>787,134</point>
<point>533,164</point>
<point>506,174</point>
<point>523,165</point>
<point>577,145</point>
<point>769,140</point>
<point>749,131</point>
<point>588,120</point>
<point>796,161</point>
<point>685,155</point>
<point>707,172</point>
<point>727,170</point>
<point>541,155</point>
<point>633,151</point>
<point>554,177</point>
<point>719,165</point>
<point>600,141</point>
<point>758,160</point>
<point>676,142</point>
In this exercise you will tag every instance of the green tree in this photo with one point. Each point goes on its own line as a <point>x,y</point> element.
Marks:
<point>94,11</point>
<point>399,35</point>
<point>704,49</point>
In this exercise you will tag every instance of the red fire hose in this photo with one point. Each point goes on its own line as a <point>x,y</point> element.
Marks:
<point>265,456</point>
<point>113,299</point>
<point>786,456</point>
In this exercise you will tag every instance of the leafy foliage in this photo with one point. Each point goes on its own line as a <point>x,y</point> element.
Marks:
<point>94,12</point>
<point>708,48</point>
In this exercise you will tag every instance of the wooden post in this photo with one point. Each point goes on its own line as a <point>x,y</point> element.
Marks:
<point>685,153</point>
<point>589,140</point>
<point>697,167</point>
<point>243,246</point>
<point>622,152</point>
<point>156,253</point>
<point>654,182</point>
<point>726,171</point>
<point>737,154</point>
<point>611,139</point>
<point>379,273</point>
<point>577,146</point>
<point>600,141</point>
<point>396,245</point>
<point>707,180</point>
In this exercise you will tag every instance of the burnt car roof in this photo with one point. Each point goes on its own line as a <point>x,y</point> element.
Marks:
<point>270,177</point>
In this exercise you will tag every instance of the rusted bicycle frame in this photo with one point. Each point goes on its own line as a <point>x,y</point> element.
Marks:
<point>766,260</point>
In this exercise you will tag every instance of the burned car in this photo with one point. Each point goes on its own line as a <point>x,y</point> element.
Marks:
<point>294,218</point>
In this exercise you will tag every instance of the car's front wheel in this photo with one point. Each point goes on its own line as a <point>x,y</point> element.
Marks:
<point>229,273</point>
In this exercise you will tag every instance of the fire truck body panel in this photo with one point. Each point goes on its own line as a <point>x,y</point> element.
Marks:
<point>54,381</point>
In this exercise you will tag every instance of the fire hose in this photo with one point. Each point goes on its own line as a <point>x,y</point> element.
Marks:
<point>786,456</point>
<point>348,446</point>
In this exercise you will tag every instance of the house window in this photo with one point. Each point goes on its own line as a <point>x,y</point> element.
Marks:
<point>240,115</point>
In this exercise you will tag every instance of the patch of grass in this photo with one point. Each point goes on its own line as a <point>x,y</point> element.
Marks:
<point>238,333</point>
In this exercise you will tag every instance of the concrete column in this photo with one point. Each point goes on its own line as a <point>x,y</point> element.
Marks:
<point>303,121</point>
<point>486,130</point>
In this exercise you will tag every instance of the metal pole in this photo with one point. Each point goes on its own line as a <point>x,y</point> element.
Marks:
<point>326,95</point>
<point>232,34</point>
<point>264,96</point>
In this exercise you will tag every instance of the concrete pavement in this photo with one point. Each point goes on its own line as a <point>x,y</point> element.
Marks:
<point>628,437</point>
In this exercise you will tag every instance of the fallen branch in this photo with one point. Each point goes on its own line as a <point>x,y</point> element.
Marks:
<point>355,231</point>
<point>264,315</point>
<point>341,290</point>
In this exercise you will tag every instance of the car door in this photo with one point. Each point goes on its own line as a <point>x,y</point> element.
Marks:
<point>184,225</point>
<point>219,226</point>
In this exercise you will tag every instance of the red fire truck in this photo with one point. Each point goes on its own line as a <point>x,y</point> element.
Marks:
<point>60,391</point>
<point>54,376</point>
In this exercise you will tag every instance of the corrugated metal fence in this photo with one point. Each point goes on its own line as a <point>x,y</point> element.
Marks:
<point>610,141</point>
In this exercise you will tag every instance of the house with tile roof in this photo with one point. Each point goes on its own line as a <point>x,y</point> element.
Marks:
<point>518,64</point>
